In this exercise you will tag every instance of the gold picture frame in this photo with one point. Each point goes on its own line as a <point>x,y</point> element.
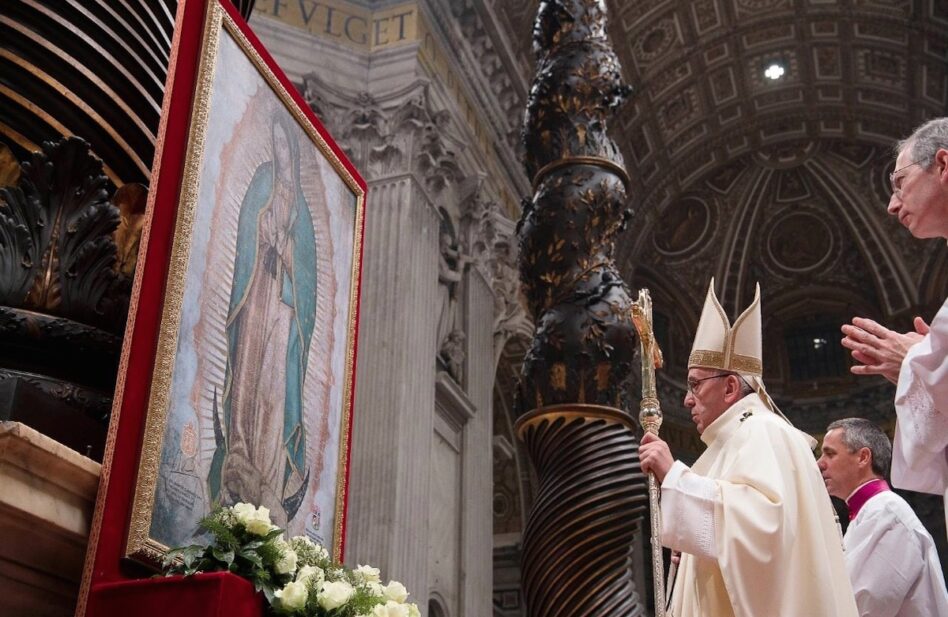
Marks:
<point>237,309</point>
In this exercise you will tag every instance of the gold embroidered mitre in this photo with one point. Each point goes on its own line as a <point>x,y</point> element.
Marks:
<point>719,345</point>
<point>737,349</point>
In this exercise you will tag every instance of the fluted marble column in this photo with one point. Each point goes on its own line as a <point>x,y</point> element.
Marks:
<point>477,475</point>
<point>422,522</point>
<point>395,383</point>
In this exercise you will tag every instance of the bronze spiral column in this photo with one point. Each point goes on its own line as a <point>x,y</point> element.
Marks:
<point>577,545</point>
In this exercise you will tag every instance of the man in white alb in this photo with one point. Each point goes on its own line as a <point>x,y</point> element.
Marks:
<point>916,361</point>
<point>753,522</point>
<point>890,556</point>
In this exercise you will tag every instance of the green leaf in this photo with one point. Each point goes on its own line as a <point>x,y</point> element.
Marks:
<point>189,555</point>
<point>252,556</point>
<point>254,545</point>
<point>276,532</point>
<point>226,557</point>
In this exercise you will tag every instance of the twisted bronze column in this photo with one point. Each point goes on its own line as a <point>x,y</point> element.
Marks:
<point>577,544</point>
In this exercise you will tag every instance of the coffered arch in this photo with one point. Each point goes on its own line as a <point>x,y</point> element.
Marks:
<point>867,220</point>
<point>862,70</point>
<point>822,189</point>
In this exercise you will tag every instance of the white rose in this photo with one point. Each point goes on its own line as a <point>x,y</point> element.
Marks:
<point>286,564</point>
<point>293,596</point>
<point>375,589</point>
<point>335,594</point>
<point>244,512</point>
<point>366,574</point>
<point>396,592</point>
<point>390,609</point>
<point>310,574</point>
<point>259,522</point>
<point>396,610</point>
<point>413,610</point>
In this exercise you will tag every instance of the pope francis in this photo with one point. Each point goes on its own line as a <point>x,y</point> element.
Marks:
<point>753,523</point>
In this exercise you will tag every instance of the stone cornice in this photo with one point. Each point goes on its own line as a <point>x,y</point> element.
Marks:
<point>455,406</point>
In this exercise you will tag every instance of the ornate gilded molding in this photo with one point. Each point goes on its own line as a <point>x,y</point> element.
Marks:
<point>499,86</point>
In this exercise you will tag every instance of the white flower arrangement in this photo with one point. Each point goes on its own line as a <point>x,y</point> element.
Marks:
<point>297,576</point>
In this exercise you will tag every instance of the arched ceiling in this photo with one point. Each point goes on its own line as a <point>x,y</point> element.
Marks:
<point>789,174</point>
<point>704,120</point>
<point>784,181</point>
<point>802,214</point>
<point>861,70</point>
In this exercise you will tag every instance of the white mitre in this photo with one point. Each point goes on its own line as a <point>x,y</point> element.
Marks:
<point>737,349</point>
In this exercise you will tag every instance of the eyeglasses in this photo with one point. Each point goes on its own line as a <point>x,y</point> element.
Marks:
<point>896,181</point>
<point>693,384</point>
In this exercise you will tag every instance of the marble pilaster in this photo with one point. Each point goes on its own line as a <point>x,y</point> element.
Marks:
<point>421,449</point>
<point>477,475</point>
<point>394,406</point>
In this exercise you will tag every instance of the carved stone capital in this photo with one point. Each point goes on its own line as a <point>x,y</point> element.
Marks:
<point>488,236</point>
<point>399,132</point>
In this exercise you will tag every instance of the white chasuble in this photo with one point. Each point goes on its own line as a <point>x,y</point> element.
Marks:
<point>920,447</point>
<point>754,523</point>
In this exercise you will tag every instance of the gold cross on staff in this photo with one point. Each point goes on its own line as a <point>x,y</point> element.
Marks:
<point>641,311</point>
<point>650,409</point>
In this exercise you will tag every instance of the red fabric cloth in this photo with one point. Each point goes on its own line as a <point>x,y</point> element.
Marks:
<point>217,594</point>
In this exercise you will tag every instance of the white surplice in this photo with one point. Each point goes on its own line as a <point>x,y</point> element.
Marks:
<point>920,447</point>
<point>754,523</point>
<point>892,561</point>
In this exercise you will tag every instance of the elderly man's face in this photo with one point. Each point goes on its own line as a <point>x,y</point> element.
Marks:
<point>706,395</point>
<point>920,196</point>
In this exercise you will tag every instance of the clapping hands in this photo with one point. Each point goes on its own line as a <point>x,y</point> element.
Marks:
<point>878,350</point>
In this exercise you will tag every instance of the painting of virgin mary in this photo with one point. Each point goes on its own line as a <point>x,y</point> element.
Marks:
<point>260,454</point>
<point>253,391</point>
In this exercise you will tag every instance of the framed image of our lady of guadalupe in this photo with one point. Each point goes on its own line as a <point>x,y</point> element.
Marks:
<point>237,377</point>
